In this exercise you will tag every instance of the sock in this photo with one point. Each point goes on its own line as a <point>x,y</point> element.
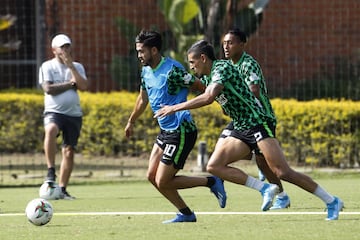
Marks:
<point>51,173</point>
<point>210,182</point>
<point>254,183</point>
<point>63,189</point>
<point>186,211</point>
<point>323,195</point>
<point>282,194</point>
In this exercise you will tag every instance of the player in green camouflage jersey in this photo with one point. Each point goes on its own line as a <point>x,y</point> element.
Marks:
<point>252,128</point>
<point>236,99</point>
<point>234,49</point>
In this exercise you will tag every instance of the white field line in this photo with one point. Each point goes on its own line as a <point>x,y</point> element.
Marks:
<point>172,213</point>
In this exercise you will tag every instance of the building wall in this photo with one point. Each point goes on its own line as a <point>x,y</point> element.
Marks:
<point>91,25</point>
<point>294,42</point>
<point>298,39</point>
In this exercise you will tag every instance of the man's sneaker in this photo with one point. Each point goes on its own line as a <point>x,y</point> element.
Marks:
<point>334,208</point>
<point>261,176</point>
<point>181,218</point>
<point>219,191</point>
<point>66,196</point>
<point>281,202</point>
<point>268,192</point>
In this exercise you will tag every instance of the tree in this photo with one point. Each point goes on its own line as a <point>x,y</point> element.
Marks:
<point>189,21</point>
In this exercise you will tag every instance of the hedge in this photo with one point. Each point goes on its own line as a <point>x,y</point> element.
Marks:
<point>319,132</point>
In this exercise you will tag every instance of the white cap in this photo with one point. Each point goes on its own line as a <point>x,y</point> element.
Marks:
<point>60,40</point>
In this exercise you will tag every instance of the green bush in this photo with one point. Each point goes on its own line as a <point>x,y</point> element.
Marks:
<point>319,132</point>
<point>20,122</point>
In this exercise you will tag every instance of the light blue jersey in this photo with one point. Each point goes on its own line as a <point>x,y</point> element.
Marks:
<point>167,84</point>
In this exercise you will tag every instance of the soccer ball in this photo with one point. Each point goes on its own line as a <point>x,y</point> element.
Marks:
<point>50,191</point>
<point>39,211</point>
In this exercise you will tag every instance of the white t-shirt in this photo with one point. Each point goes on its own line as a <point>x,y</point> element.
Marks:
<point>67,102</point>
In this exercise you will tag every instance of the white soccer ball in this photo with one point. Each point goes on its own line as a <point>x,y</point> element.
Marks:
<point>39,211</point>
<point>50,191</point>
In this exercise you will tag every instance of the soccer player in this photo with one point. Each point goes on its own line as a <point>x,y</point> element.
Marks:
<point>234,49</point>
<point>164,81</point>
<point>60,79</point>
<point>252,127</point>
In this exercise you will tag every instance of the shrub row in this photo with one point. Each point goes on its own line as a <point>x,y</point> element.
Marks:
<point>320,132</point>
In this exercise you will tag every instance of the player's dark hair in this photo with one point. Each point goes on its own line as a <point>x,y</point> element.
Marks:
<point>202,47</point>
<point>149,39</point>
<point>238,34</point>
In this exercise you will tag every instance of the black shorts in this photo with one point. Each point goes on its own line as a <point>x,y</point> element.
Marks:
<point>227,130</point>
<point>255,134</point>
<point>69,126</point>
<point>176,145</point>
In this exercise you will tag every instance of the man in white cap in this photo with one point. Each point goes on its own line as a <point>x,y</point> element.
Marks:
<point>60,79</point>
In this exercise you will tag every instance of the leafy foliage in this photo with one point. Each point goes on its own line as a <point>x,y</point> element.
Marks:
<point>319,132</point>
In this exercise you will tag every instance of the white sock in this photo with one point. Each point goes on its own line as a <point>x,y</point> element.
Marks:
<point>254,183</point>
<point>282,194</point>
<point>323,195</point>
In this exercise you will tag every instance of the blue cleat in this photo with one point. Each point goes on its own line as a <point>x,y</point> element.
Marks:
<point>181,218</point>
<point>334,208</point>
<point>281,203</point>
<point>268,192</point>
<point>219,191</point>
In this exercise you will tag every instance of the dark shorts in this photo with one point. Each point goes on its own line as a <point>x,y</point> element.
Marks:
<point>254,135</point>
<point>176,145</point>
<point>251,136</point>
<point>227,130</point>
<point>69,126</point>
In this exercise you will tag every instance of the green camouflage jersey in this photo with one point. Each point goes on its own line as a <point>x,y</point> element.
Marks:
<point>251,72</point>
<point>236,99</point>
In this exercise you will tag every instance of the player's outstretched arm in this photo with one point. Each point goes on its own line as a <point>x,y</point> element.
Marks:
<point>204,99</point>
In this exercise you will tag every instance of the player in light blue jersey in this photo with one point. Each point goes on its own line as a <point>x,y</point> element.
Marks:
<point>164,81</point>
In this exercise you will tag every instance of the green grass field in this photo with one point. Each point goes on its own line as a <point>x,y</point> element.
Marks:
<point>135,211</point>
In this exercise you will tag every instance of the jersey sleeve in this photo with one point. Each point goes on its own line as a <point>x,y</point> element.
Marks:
<point>81,70</point>
<point>253,78</point>
<point>251,74</point>
<point>179,78</point>
<point>142,83</point>
<point>221,73</point>
<point>45,74</point>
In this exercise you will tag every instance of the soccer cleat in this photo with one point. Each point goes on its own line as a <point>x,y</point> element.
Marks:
<point>268,192</point>
<point>66,196</point>
<point>181,218</point>
<point>281,203</point>
<point>334,208</point>
<point>261,176</point>
<point>219,191</point>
